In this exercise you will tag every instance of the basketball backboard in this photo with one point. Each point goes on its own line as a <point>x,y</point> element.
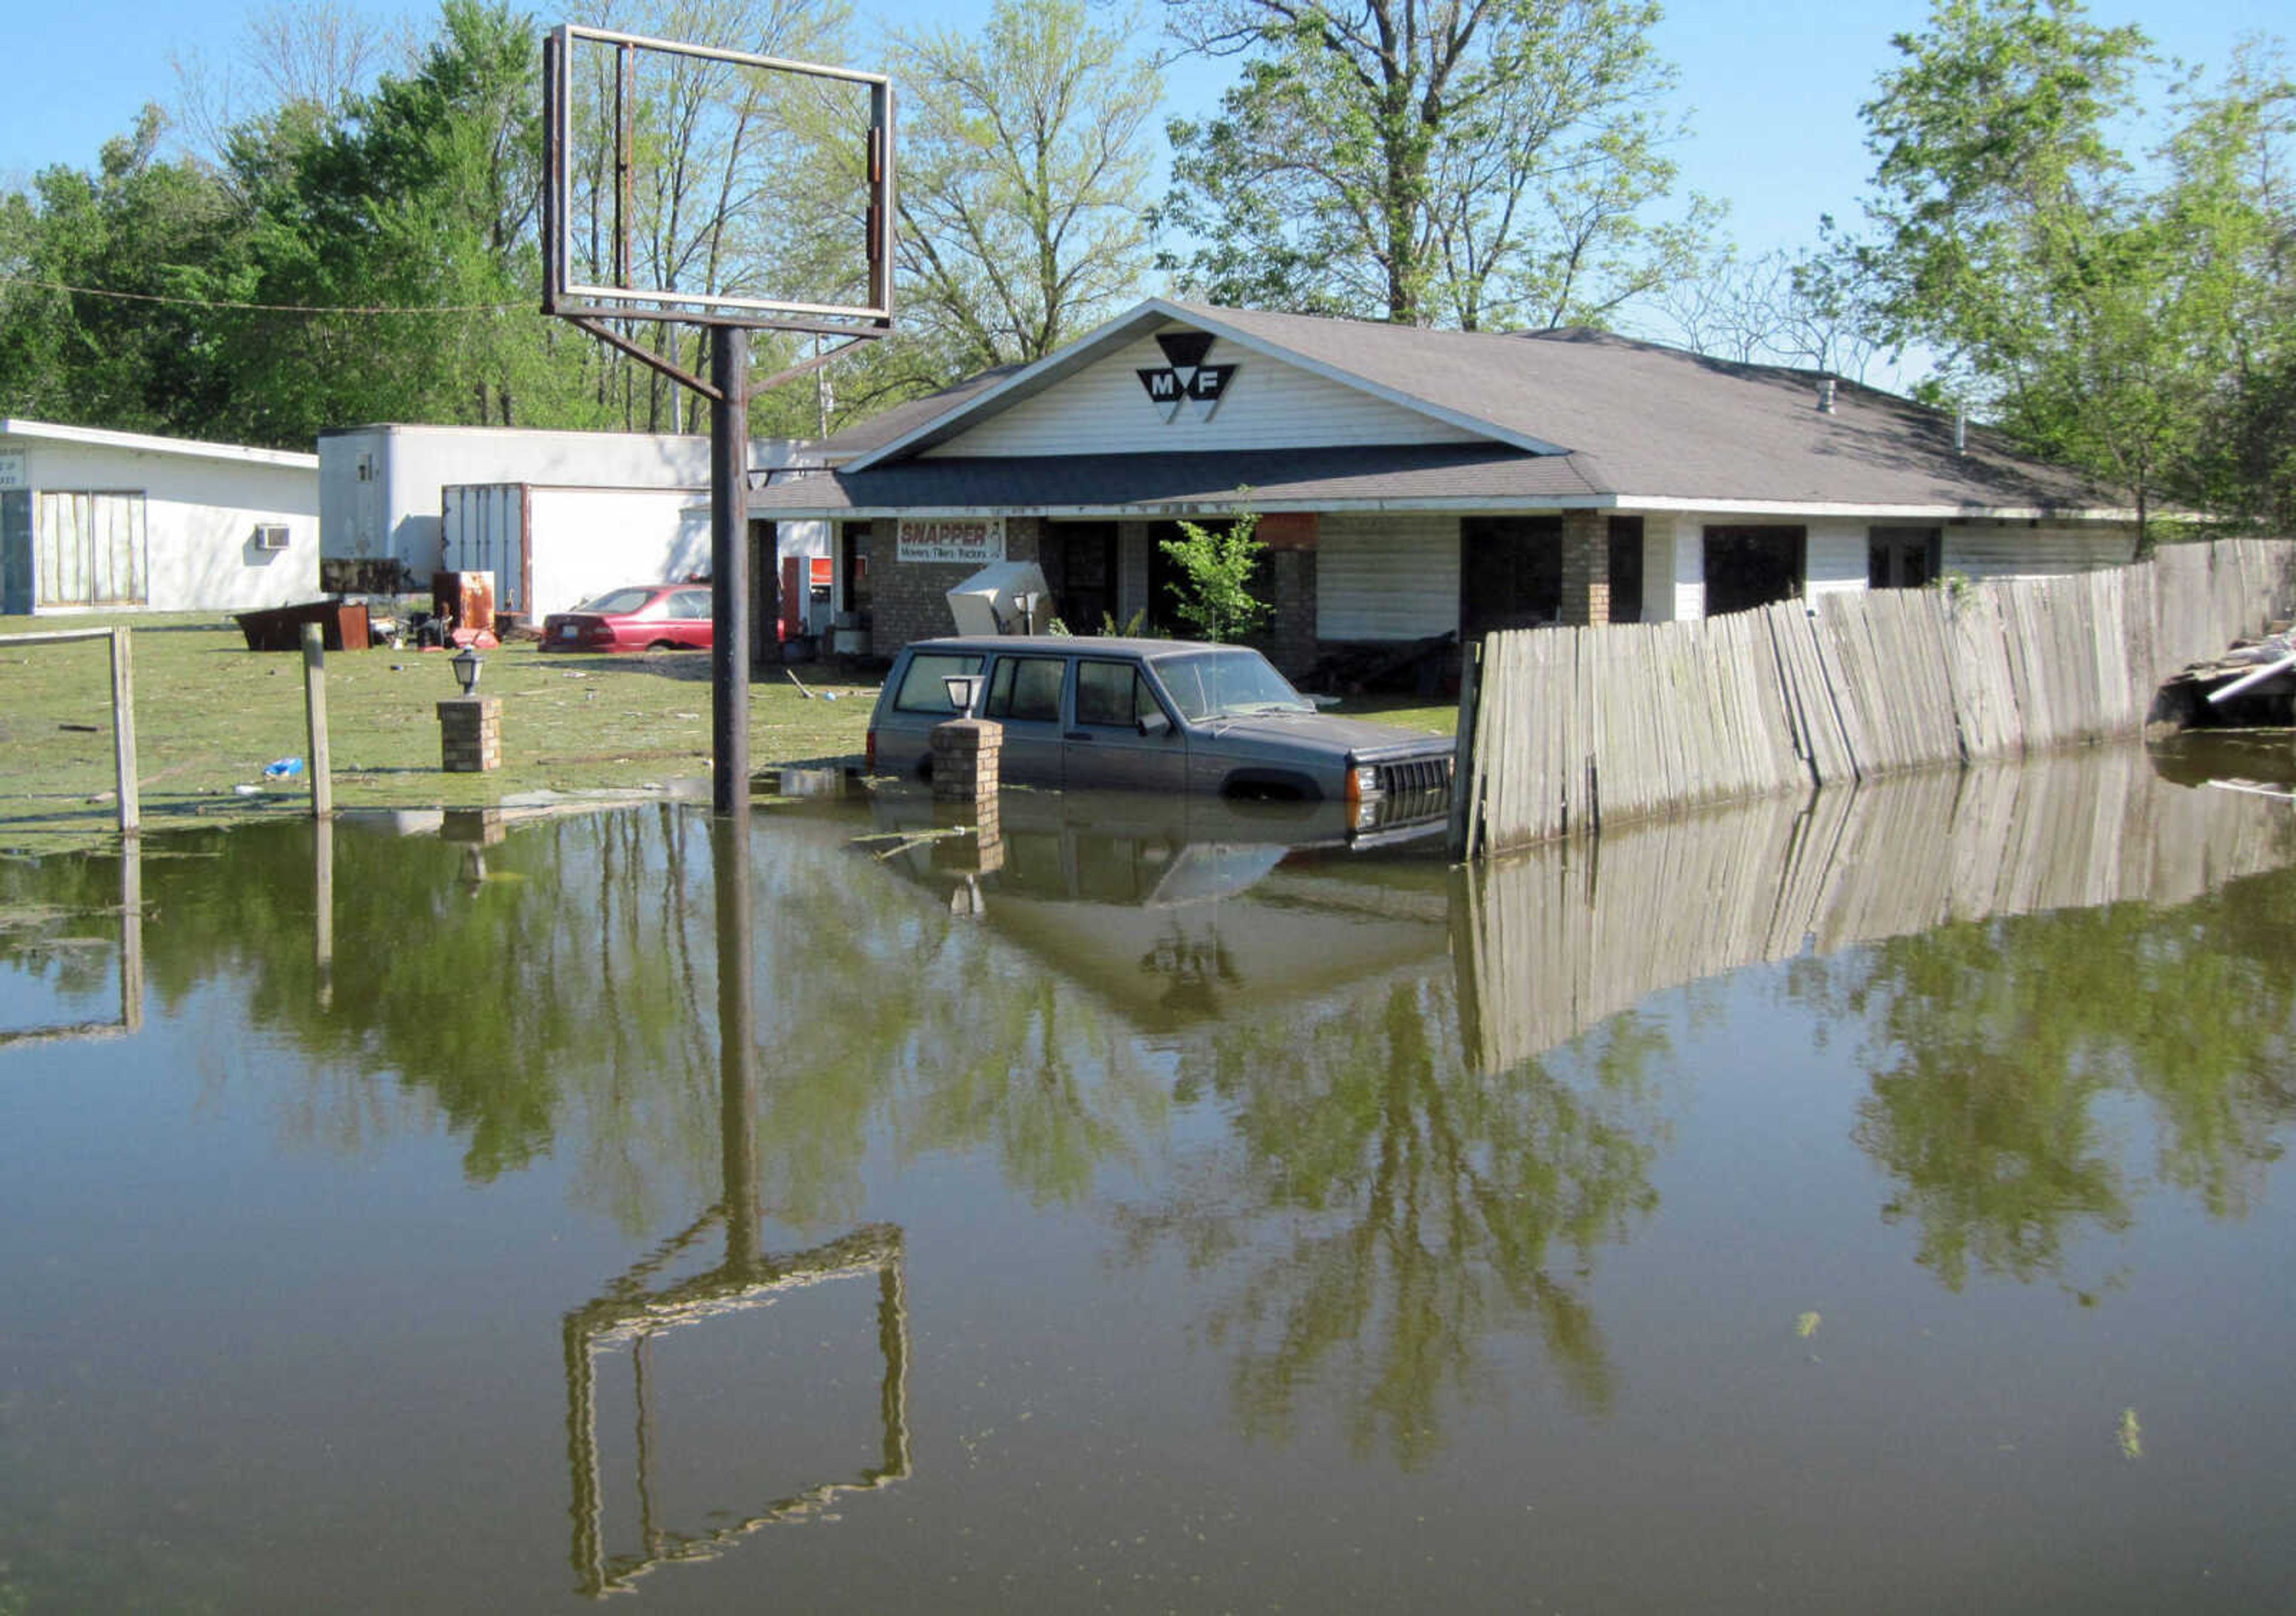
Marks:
<point>686,183</point>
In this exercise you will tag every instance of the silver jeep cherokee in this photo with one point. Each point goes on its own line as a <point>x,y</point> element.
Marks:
<point>1157,716</point>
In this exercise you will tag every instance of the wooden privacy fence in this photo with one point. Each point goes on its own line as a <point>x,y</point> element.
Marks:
<point>1564,730</point>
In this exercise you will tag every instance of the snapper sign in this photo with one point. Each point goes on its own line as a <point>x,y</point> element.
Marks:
<point>1186,378</point>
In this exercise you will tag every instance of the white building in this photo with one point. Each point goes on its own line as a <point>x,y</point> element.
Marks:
<point>1412,484</point>
<point>556,516</point>
<point>101,520</point>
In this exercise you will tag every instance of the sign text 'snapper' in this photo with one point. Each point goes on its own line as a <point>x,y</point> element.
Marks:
<point>968,540</point>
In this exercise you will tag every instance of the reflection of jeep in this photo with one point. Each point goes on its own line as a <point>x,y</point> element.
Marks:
<point>1160,716</point>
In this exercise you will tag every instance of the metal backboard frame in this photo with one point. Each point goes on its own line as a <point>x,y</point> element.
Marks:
<point>586,301</point>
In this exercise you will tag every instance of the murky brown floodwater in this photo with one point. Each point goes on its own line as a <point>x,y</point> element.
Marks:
<point>1871,1205</point>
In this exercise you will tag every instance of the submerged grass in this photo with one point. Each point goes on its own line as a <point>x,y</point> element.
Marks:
<point>209,714</point>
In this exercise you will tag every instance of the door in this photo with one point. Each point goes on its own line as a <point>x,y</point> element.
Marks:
<point>1103,749</point>
<point>92,550</point>
<point>16,552</point>
<point>1024,696</point>
<point>1083,574</point>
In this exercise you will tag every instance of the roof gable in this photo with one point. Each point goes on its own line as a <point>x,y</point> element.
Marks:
<point>1107,360</point>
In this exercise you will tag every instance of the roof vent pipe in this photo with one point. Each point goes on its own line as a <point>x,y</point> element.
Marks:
<point>1825,396</point>
<point>1960,431</point>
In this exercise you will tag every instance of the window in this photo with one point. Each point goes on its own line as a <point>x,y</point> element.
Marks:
<point>1026,689</point>
<point>617,603</point>
<point>1902,557</point>
<point>921,690</point>
<point>690,603</point>
<point>1112,694</point>
<point>1226,684</point>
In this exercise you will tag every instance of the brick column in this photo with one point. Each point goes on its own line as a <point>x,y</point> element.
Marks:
<point>1585,567</point>
<point>470,734</point>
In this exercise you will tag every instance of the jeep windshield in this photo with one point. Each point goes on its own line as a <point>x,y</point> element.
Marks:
<point>1237,684</point>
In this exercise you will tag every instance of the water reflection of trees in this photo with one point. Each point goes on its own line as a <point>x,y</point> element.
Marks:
<point>1997,1050</point>
<point>1395,1213</point>
<point>560,1002</point>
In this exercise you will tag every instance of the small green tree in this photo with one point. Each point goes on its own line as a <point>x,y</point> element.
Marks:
<point>1216,566</point>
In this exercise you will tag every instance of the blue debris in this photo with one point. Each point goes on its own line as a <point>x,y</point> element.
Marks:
<point>286,768</point>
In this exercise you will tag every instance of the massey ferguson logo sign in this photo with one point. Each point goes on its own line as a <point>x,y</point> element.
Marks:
<point>1186,377</point>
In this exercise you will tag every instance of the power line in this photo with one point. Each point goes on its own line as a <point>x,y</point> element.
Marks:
<point>275,308</point>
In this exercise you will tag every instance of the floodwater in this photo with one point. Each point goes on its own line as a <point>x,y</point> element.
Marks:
<point>1873,1204</point>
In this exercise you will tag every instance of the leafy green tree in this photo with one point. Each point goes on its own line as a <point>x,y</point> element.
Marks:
<point>94,330</point>
<point>2100,318</point>
<point>1025,160</point>
<point>1485,164</point>
<point>1217,565</point>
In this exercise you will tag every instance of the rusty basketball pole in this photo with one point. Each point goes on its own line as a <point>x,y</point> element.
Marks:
<point>728,320</point>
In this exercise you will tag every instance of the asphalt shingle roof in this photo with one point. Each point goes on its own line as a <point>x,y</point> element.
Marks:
<point>1635,419</point>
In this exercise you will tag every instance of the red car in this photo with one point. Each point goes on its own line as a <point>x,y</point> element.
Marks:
<point>641,617</point>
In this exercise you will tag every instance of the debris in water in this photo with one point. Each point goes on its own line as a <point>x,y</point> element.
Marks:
<point>1805,1326</point>
<point>2132,1435</point>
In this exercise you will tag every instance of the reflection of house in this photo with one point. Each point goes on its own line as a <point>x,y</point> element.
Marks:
<point>93,519</point>
<point>1416,482</point>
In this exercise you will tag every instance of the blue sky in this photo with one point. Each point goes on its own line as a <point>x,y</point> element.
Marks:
<point>1772,89</point>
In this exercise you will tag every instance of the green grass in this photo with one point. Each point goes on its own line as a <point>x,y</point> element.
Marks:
<point>209,714</point>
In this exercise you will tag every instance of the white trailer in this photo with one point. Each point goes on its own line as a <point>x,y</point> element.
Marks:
<point>552,548</point>
<point>382,491</point>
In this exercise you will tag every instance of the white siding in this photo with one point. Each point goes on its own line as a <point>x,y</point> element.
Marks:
<point>195,517</point>
<point>2021,552</point>
<point>1839,558</point>
<point>1386,577</point>
<point>1103,410</point>
<point>1674,567</point>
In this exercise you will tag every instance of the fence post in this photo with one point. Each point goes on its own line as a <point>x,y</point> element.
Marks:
<point>123,732</point>
<point>314,717</point>
<point>1463,755</point>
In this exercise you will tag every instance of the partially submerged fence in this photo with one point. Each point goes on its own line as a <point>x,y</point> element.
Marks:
<point>123,709</point>
<point>1566,729</point>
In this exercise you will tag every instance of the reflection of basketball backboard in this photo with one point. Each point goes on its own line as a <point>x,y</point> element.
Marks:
<point>683,181</point>
<point>638,1311</point>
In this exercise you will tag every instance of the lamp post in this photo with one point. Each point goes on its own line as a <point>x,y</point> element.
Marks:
<point>467,665</point>
<point>964,690</point>
<point>470,725</point>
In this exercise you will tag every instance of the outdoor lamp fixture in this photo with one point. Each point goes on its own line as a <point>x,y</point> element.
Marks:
<point>964,690</point>
<point>1029,603</point>
<point>466,665</point>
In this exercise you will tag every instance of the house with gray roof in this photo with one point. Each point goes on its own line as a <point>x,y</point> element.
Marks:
<point>1412,483</point>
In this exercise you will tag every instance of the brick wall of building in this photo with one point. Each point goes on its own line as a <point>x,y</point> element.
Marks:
<point>911,598</point>
<point>1585,567</point>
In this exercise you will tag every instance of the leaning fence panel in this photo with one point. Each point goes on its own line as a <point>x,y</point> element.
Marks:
<point>1574,728</point>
